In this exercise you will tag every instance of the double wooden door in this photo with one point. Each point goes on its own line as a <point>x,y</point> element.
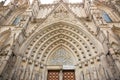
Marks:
<point>61,75</point>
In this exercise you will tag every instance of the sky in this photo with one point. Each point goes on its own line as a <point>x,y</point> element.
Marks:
<point>45,1</point>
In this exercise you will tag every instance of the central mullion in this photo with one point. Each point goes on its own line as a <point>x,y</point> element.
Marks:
<point>61,75</point>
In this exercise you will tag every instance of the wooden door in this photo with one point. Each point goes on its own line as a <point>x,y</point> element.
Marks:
<point>68,75</point>
<point>53,75</point>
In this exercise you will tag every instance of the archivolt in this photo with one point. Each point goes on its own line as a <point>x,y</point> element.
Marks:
<point>80,42</point>
<point>56,44</point>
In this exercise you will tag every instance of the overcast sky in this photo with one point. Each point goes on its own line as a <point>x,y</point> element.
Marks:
<point>46,1</point>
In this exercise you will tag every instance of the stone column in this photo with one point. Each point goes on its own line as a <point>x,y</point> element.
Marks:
<point>61,75</point>
<point>106,67</point>
<point>81,75</point>
<point>115,58</point>
<point>103,73</point>
<point>87,74</point>
<point>112,65</point>
<point>77,72</point>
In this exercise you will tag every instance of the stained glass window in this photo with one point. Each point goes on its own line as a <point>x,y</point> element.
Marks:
<point>16,21</point>
<point>106,17</point>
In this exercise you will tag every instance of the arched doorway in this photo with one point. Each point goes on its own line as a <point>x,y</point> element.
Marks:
<point>41,48</point>
<point>61,65</point>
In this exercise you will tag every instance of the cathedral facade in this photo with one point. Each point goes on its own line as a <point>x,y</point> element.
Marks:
<point>60,41</point>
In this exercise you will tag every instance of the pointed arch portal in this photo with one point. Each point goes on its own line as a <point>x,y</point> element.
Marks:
<point>80,43</point>
<point>58,41</point>
<point>60,46</point>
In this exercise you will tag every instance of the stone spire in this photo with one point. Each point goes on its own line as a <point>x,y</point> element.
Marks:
<point>2,3</point>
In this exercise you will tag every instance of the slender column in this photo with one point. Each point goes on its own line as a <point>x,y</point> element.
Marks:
<point>112,66</point>
<point>87,72</point>
<point>61,75</point>
<point>115,58</point>
<point>101,73</point>
<point>106,67</point>
<point>81,75</point>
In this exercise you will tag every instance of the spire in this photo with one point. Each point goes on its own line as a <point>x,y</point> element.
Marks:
<point>2,3</point>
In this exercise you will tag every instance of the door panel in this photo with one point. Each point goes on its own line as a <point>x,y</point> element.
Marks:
<point>68,75</point>
<point>53,75</point>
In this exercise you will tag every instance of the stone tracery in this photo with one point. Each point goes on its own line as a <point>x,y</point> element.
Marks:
<point>60,57</point>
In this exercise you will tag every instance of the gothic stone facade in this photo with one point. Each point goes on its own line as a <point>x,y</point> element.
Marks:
<point>60,41</point>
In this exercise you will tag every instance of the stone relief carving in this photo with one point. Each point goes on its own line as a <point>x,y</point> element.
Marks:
<point>61,13</point>
<point>60,57</point>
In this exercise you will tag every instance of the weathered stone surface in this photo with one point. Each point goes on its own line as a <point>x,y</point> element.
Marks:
<point>72,37</point>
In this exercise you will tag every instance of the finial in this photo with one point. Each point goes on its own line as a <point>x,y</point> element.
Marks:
<point>2,3</point>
